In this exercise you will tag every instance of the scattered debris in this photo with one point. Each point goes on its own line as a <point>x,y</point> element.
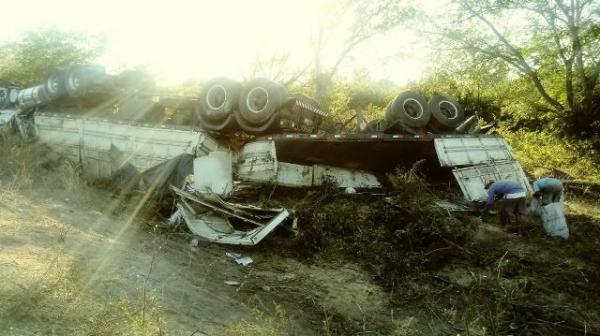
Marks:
<point>233,255</point>
<point>245,261</point>
<point>232,283</point>
<point>210,217</point>
<point>452,206</point>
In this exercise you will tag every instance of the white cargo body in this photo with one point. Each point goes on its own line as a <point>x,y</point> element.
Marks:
<point>104,146</point>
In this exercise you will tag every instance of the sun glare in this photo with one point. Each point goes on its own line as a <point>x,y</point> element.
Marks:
<point>183,40</point>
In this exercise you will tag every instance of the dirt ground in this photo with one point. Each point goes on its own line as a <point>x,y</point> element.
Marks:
<point>79,260</point>
<point>76,260</point>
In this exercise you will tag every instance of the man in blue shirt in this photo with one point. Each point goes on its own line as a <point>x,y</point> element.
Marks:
<point>548,189</point>
<point>512,199</point>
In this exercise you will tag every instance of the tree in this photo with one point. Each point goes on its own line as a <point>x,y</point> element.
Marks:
<point>26,61</point>
<point>552,43</point>
<point>367,18</point>
<point>277,68</point>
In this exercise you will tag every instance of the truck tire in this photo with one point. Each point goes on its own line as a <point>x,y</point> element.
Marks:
<point>75,81</point>
<point>446,113</point>
<point>33,96</point>
<point>269,126</point>
<point>13,95</point>
<point>410,109</point>
<point>218,99</point>
<point>4,101</point>
<point>55,84</point>
<point>80,78</point>
<point>260,100</point>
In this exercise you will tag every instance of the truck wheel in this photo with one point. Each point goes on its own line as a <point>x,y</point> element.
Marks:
<point>409,108</point>
<point>81,78</point>
<point>13,95</point>
<point>260,99</point>
<point>218,99</point>
<point>75,81</point>
<point>4,102</point>
<point>55,84</point>
<point>446,113</point>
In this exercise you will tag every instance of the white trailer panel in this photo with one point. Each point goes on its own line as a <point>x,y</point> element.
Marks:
<point>104,146</point>
<point>472,179</point>
<point>463,151</point>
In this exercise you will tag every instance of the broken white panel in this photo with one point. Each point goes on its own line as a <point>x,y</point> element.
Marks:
<point>104,146</point>
<point>467,150</point>
<point>61,133</point>
<point>141,146</point>
<point>6,116</point>
<point>472,179</point>
<point>200,226</point>
<point>296,176</point>
<point>344,178</point>
<point>257,162</point>
<point>214,172</point>
<point>293,175</point>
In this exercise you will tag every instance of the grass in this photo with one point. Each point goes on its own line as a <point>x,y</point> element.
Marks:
<point>56,300</point>
<point>546,154</point>
<point>442,277</point>
<point>263,324</point>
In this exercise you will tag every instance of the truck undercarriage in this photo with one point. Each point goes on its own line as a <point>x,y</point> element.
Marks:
<point>280,143</point>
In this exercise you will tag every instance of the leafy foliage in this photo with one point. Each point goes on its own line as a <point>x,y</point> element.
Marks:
<point>554,155</point>
<point>548,44</point>
<point>26,61</point>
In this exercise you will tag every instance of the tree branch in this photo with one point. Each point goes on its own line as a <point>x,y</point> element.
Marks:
<point>532,74</point>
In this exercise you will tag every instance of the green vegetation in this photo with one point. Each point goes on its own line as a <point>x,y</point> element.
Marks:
<point>544,153</point>
<point>263,324</point>
<point>26,61</point>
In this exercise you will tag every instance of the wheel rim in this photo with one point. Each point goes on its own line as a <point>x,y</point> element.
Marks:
<point>413,108</point>
<point>53,84</point>
<point>74,82</point>
<point>13,96</point>
<point>257,100</point>
<point>216,97</point>
<point>448,109</point>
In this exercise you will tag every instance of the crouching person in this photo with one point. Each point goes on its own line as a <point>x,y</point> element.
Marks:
<point>548,189</point>
<point>511,196</point>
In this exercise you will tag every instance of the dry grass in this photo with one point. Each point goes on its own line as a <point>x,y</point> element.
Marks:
<point>263,324</point>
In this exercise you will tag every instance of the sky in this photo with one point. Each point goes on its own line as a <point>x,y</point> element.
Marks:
<point>181,40</point>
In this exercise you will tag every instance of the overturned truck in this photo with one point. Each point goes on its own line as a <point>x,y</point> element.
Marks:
<point>206,149</point>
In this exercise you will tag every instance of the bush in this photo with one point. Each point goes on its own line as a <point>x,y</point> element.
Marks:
<point>536,150</point>
<point>392,236</point>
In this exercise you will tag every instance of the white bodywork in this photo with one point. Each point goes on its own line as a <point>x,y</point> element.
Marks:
<point>477,159</point>
<point>462,151</point>
<point>7,115</point>
<point>203,227</point>
<point>214,172</point>
<point>257,162</point>
<point>471,179</point>
<point>104,146</point>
